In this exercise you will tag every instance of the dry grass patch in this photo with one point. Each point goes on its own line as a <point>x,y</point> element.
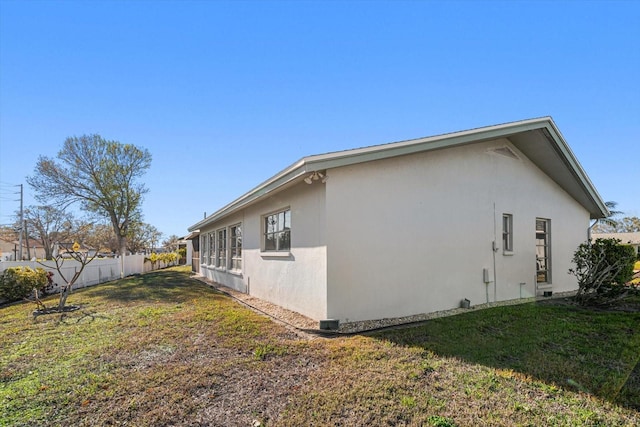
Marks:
<point>151,350</point>
<point>164,349</point>
<point>375,381</point>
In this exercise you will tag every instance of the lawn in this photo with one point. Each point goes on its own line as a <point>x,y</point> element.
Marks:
<point>165,349</point>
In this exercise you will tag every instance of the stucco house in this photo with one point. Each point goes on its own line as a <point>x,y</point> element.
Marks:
<point>410,227</point>
<point>9,249</point>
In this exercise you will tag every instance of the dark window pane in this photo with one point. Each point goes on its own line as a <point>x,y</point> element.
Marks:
<point>269,243</point>
<point>283,240</point>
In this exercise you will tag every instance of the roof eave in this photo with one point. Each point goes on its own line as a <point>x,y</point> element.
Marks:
<point>284,177</point>
<point>601,210</point>
<point>349,157</point>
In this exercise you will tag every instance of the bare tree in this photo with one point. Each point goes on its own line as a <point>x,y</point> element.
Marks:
<point>48,224</point>
<point>143,237</point>
<point>8,232</point>
<point>155,236</point>
<point>72,251</point>
<point>171,244</point>
<point>98,174</point>
<point>96,234</point>
<point>628,224</point>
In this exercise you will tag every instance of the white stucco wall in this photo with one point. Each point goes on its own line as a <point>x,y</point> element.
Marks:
<point>296,281</point>
<point>413,234</point>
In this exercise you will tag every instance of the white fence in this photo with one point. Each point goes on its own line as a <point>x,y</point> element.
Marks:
<point>99,270</point>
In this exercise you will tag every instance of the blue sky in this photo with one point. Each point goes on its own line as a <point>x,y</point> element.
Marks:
<point>226,94</point>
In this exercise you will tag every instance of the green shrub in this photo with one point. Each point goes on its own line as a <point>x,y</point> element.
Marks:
<point>153,258</point>
<point>602,268</point>
<point>182,252</point>
<point>626,252</point>
<point>17,283</point>
<point>168,257</point>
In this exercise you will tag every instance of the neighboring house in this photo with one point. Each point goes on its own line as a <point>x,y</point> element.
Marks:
<point>410,227</point>
<point>186,243</point>
<point>632,239</point>
<point>9,249</point>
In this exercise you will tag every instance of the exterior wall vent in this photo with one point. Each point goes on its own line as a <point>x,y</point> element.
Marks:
<point>329,325</point>
<point>506,151</point>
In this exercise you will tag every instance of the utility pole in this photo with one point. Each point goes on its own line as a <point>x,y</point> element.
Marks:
<point>21,225</point>
<point>26,238</point>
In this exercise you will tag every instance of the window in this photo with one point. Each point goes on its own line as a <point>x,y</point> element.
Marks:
<point>543,250</point>
<point>212,248</point>
<point>222,253</point>
<point>221,248</point>
<point>236,246</point>
<point>277,231</point>
<point>507,233</point>
<point>203,252</point>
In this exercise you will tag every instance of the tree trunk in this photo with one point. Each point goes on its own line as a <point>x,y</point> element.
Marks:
<point>48,248</point>
<point>123,251</point>
<point>64,294</point>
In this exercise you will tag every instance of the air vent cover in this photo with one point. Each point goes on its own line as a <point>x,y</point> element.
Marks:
<point>506,151</point>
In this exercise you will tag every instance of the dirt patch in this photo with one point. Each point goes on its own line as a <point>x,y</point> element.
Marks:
<point>56,310</point>
<point>295,321</point>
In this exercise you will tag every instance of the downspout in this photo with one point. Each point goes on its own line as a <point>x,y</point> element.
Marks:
<point>589,231</point>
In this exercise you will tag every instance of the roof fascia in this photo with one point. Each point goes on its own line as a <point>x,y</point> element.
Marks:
<point>284,177</point>
<point>575,167</point>
<point>359,155</point>
<point>377,152</point>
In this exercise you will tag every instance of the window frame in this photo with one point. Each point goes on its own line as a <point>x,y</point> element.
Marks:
<point>221,248</point>
<point>212,248</point>
<point>273,229</point>
<point>235,247</point>
<point>203,248</point>
<point>544,249</point>
<point>507,234</point>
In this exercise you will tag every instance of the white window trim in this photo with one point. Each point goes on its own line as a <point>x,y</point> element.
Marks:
<point>212,249</point>
<point>225,261</point>
<point>548,257</point>
<point>203,249</point>
<point>230,258</point>
<point>209,258</point>
<point>505,251</point>
<point>274,253</point>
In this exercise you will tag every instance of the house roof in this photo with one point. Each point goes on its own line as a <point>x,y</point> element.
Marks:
<point>191,235</point>
<point>34,244</point>
<point>539,139</point>
<point>632,238</point>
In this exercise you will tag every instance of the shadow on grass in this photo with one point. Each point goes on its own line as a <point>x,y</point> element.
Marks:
<point>165,285</point>
<point>571,347</point>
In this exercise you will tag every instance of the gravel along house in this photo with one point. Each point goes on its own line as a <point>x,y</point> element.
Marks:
<point>418,226</point>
